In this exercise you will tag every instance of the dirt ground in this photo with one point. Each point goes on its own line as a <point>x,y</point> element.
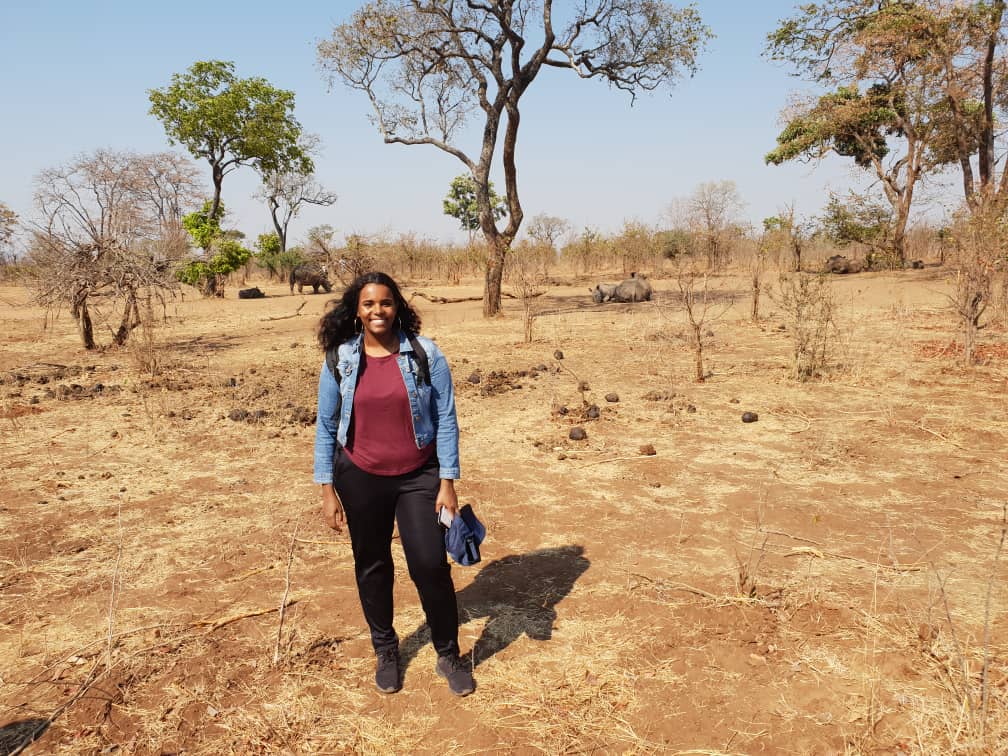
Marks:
<point>822,580</point>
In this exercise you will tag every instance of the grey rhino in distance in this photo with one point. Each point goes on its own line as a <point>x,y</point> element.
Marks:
<point>634,289</point>
<point>310,274</point>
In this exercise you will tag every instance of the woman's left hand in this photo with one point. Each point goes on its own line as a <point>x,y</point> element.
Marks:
<point>447,498</point>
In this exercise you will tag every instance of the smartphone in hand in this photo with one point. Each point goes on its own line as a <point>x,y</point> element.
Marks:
<point>445,517</point>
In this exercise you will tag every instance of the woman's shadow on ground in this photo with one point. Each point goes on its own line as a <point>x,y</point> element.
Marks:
<point>518,594</point>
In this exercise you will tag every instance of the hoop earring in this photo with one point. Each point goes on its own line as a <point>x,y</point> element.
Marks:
<point>358,325</point>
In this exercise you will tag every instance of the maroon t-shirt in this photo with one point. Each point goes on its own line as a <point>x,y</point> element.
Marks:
<point>381,439</point>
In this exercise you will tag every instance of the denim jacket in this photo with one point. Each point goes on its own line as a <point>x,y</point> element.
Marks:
<point>432,406</point>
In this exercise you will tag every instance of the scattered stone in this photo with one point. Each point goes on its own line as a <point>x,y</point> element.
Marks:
<point>612,397</point>
<point>122,490</point>
<point>114,434</point>
<point>238,415</point>
<point>106,475</point>
<point>690,408</point>
<point>733,401</point>
<point>541,368</point>
<point>98,388</point>
<point>294,345</point>
<point>583,386</point>
<point>593,412</point>
<point>33,400</point>
<point>475,377</point>
<point>577,433</point>
<point>749,417</point>
<point>660,396</point>
<point>558,354</point>
<point>303,415</point>
<point>561,456</point>
<point>648,450</point>
<point>708,333</point>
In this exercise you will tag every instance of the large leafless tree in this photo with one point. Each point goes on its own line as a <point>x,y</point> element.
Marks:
<point>427,66</point>
<point>109,234</point>
<point>286,193</point>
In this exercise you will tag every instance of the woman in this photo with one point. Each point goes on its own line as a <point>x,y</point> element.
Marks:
<point>386,450</point>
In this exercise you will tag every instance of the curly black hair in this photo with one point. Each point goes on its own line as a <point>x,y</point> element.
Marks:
<point>338,324</point>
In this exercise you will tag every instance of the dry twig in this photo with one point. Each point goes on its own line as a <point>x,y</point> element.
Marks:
<point>283,601</point>
<point>285,317</point>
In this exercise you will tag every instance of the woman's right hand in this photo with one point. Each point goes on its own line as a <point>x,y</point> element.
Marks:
<point>332,508</point>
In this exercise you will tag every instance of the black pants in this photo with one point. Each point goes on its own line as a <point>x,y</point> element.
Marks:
<point>372,503</point>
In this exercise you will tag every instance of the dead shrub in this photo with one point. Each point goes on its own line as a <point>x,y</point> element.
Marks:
<point>809,307</point>
<point>978,244</point>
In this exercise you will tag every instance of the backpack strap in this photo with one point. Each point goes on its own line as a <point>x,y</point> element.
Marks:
<point>423,364</point>
<point>332,362</point>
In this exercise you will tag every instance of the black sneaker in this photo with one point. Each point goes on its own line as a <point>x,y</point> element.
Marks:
<point>457,673</point>
<point>386,674</point>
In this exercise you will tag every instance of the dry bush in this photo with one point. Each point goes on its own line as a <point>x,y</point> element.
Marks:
<point>524,271</point>
<point>703,302</point>
<point>979,242</point>
<point>809,307</point>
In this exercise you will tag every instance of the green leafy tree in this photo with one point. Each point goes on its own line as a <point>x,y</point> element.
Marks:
<point>223,251</point>
<point>8,227</point>
<point>208,275</point>
<point>203,225</point>
<point>460,203</point>
<point>428,65</point>
<point>230,122</point>
<point>918,87</point>
<point>859,220</point>
<point>268,253</point>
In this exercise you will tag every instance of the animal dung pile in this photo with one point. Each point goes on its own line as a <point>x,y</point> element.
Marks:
<point>577,433</point>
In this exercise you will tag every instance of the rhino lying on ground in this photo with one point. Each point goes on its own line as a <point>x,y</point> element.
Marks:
<point>631,290</point>
<point>254,293</point>
<point>840,264</point>
<point>310,274</point>
<point>603,292</point>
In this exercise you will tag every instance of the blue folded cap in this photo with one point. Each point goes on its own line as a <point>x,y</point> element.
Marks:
<point>463,538</point>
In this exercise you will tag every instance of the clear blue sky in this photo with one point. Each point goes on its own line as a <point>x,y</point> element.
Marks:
<point>76,75</point>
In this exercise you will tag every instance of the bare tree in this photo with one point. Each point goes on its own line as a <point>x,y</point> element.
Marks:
<point>703,304</point>
<point>427,65</point>
<point>286,192</point>
<point>101,243</point>
<point>788,234</point>
<point>169,184</point>
<point>714,210</point>
<point>547,231</point>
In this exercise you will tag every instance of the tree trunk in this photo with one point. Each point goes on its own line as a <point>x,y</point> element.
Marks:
<point>83,318</point>
<point>130,320</point>
<point>218,181</point>
<point>494,276</point>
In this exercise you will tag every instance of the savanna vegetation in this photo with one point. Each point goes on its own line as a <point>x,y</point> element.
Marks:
<point>763,510</point>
